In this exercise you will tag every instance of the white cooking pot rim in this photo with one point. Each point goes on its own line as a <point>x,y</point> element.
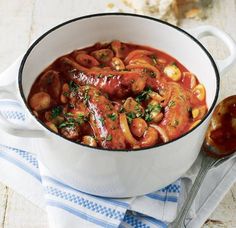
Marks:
<point>20,72</point>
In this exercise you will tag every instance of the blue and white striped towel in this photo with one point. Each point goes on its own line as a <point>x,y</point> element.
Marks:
<point>66,206</point>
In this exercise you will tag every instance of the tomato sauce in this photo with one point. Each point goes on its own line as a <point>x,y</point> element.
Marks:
<point>118,96</point>
<point>223,136</point>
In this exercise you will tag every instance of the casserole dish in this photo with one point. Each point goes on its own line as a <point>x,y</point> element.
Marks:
<point>120,173</point>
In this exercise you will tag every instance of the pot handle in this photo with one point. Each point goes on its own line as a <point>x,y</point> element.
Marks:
<point>207,30</point>
<point>10,107</point>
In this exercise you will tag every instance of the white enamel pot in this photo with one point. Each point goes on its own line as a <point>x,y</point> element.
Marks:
<point>119,173</point>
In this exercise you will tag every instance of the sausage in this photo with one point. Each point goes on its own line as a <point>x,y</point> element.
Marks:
<point>114,83</point>
<point>103,118</point>
<point>176,116</point>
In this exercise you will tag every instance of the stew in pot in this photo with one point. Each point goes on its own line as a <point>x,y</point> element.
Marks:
<point>118,96</point>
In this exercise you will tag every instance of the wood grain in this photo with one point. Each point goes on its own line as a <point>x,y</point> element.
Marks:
<point>15,26</point>
<point>3,203</point>
<point>20,213</point>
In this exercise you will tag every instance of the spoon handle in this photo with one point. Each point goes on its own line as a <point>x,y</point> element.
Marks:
<point>206,164</point>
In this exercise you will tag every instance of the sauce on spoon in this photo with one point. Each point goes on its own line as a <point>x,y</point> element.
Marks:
<point>221,133</point>
<point>219,145</point>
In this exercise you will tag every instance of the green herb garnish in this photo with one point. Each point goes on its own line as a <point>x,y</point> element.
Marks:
<point>66,94</point>
<point>68,114</point>
<point>130,116</point>
<point>110,76</point>
<point>73,86</point>
<point>154,108</point>
<point>86,95</point>
<point>56,111</point>
<point>144,95</point>
<point>122,109</point>
<point>171,104</point>
<point>151,108</point>
<point>138,110</point>
<point>109,138</point>
<point>69,123</point>
<point>148,117</point>
<point>112,116</point>
<point>102,120</point>
<point>81,119</point>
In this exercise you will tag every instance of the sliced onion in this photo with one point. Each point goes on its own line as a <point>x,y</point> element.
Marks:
<point>145,66</point>
<point>126,131</point>
<point>162,133</point>
<point>134,53</point>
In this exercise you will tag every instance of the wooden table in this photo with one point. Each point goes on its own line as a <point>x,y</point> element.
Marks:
<point>22,21</point>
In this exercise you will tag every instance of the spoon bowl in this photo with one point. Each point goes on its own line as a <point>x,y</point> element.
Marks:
<point>219,146</point>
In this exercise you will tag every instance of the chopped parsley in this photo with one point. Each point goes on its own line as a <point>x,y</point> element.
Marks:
<point>86,95</point>
<point>102,121</point>
<point>112,116</point>
<point>68,114</point>
<point>69,123</point>
<point>130,116</point>
<point>148,117</point>
<point>56,111</point>
<point>150,110</point>
<point>110,76</point>
<point>154,108</point>
<point>138,110</point>
<point>109,138</point>
<point>171,104</point>
<point>73,86</point>
<point>81,119</point>
<point>66,94</point>
<point>144,95</point>
<point>122,109</point>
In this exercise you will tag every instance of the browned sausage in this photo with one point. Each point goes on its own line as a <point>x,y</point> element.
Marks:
<point>114,83</point>
<point>176,112</point>
<point>103,118</point>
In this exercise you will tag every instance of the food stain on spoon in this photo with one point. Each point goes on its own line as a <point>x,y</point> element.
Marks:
<point>218,147</point>
<point>221,133</point>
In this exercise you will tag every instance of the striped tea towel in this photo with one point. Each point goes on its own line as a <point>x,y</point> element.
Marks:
<point>66,206</point>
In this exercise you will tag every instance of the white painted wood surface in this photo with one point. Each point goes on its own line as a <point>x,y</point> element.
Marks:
<point>22,21</point>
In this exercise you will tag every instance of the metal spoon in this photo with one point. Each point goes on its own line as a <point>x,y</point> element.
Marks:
<point>214,151</point>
